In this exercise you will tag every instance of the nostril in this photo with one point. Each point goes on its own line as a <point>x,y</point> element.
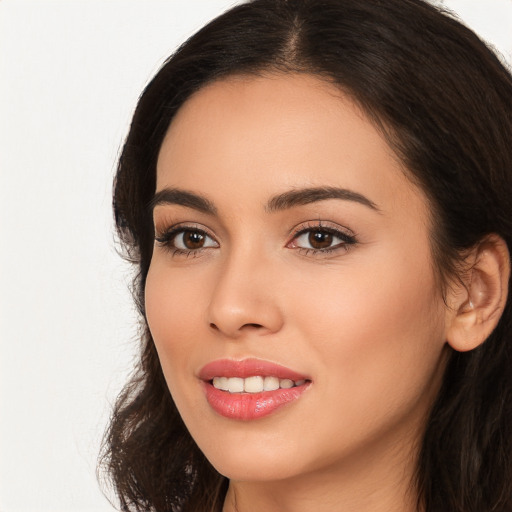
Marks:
<point>249,326</point>
<point>255,326</point>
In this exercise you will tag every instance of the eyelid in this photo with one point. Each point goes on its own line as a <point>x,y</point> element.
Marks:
<point>320,225</point>
<point>167,225</point>
<point>165,236</point>
<point>346,235</point>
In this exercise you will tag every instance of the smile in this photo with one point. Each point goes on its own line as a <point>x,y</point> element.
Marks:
<point>254,384</point>
<point>250,389</point>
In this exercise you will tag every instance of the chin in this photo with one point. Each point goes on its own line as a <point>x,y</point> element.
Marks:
<point>242,454</point>
<point>242,468</point>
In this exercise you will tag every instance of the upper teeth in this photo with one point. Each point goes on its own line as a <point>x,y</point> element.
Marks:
<point>255,384</point>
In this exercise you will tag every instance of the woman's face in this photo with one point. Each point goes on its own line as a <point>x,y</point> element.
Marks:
<point>292,251</point>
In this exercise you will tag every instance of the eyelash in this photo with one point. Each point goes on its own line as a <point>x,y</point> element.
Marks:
<point>167,239</point>
<point>347,239</point>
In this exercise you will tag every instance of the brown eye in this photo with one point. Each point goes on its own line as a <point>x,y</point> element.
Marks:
<point>186,240</point>
<point>190,240</point>
<point>320,239</point>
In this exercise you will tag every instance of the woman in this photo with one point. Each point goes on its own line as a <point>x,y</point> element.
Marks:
<point>317,197</point>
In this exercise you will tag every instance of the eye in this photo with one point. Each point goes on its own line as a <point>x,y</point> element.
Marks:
<point>185,240</point>
<point>321,239</point>
<point>316,239</point>
<point>190,240</point>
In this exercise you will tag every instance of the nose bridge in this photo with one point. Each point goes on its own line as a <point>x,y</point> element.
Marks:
<point>244,297</point>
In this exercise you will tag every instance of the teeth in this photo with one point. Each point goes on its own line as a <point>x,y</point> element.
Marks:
<point>271,383</point>
<point>286,383</point>
<point>235,385</point>
<point>255,384</point>
<point>222,383</point>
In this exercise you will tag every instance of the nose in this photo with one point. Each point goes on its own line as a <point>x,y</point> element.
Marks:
<point>245,298</point>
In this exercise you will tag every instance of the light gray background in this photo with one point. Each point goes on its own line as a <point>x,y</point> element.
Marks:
<point>70,74</point>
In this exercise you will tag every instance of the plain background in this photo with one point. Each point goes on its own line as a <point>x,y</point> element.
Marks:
<point>70,75</point>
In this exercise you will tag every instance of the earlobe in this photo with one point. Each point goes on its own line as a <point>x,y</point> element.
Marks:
<point>479,299</point>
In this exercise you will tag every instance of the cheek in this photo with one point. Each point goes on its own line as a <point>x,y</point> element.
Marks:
<point>176,300</point>
<point>173,306</point>
<point>378,332</point>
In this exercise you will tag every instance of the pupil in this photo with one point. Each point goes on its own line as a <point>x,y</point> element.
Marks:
<point>320,239</point>
<point>193,240</point>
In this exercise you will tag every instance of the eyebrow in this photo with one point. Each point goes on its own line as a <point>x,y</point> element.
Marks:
<point>284,201</point>
<point>182,198</point>
<point>304,196</point>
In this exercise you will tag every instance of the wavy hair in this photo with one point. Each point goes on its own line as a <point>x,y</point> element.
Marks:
<point>442,99</point>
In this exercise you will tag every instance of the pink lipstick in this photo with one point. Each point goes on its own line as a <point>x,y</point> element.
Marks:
<point>251,388</point>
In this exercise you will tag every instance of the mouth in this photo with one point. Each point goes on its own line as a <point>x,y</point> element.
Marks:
<point>254,384</point>
<point>251,388</point>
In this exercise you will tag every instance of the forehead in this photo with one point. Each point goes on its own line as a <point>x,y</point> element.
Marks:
<point>263,135</point>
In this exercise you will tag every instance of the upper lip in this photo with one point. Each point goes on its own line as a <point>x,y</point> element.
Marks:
<point>248,368</point>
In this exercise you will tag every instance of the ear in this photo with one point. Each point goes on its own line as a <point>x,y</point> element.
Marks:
<point>478,300</point>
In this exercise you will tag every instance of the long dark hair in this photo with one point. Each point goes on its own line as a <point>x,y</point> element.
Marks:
<point>442,100</point>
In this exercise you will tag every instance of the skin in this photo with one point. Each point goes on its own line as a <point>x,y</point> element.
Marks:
<point>365,321</point>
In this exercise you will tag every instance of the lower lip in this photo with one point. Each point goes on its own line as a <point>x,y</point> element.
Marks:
<point>250,406</point>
